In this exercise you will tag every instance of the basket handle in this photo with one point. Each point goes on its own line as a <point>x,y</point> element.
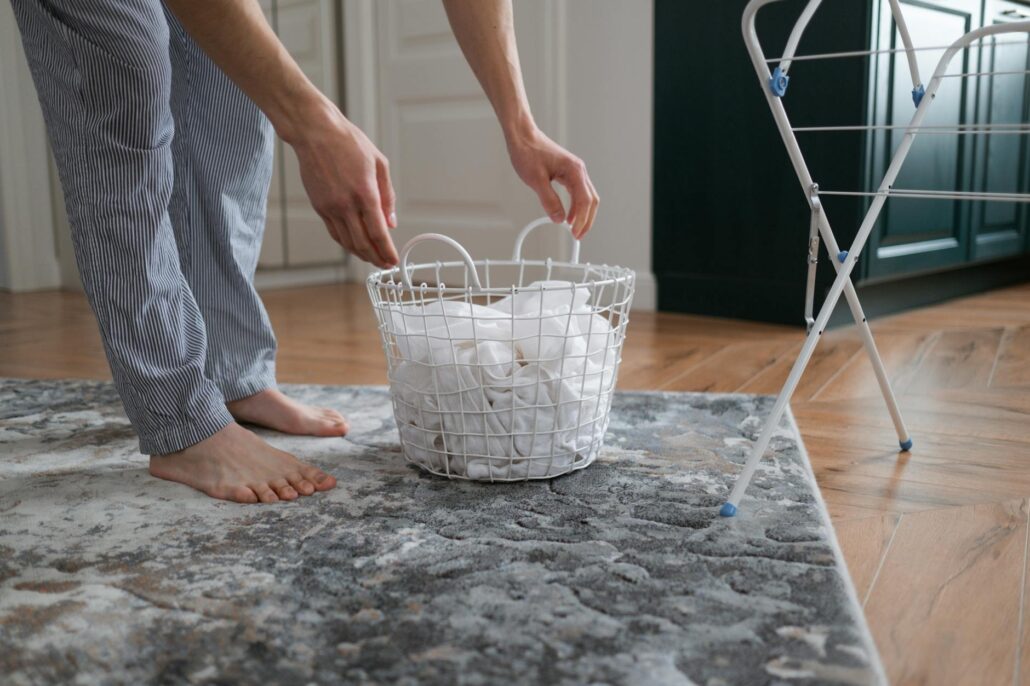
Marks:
<point>422,237</point>
<point>517,254</point>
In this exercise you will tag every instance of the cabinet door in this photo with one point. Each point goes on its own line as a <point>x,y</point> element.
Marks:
<point>1000,228</point>
<point>307,29</point>
<point>917,235</point>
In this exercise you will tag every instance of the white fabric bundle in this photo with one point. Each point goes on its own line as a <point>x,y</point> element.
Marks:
<point>516,389</point>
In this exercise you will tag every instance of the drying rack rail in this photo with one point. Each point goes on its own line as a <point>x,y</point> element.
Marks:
<point>774,84</point>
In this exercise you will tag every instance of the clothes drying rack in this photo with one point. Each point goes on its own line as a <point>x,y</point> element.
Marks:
<point>774,84</point>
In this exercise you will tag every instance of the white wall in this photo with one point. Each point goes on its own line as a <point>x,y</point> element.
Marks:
<point>609,54</point>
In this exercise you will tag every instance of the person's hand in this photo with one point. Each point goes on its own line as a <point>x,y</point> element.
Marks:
<point>538,161</point>
<point>347,180</point>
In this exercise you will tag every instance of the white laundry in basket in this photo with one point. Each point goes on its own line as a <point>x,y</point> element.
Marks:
<point>516,389</point>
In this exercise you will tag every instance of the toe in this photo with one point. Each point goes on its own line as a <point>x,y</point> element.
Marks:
<point>240,494</point>
<point>332,415</point>
<point>335,422</point>
<point>284,489</point>
<point>265,494</point>
<point>321,480</point>
<point>300,483</point>
<point>331,427</point>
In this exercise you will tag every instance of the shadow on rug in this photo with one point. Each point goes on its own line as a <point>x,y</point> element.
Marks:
<point>622,573</point>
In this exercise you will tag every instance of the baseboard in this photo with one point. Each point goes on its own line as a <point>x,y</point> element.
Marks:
<point>783,302</point>
<point>732,297</point>
<point>302,276</point>
<point>645,295</point>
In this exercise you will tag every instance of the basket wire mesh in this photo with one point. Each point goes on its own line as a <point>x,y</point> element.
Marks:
<point>509,375</point>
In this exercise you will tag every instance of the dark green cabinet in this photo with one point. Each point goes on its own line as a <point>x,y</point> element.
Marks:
<point>919,234</point>
<point>730,220</point>
<point>1000,229</point>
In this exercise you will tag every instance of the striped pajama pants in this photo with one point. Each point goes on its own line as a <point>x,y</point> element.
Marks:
<point>165,166</point>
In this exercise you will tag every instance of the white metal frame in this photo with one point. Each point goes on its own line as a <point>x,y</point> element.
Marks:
<point>774,84</point>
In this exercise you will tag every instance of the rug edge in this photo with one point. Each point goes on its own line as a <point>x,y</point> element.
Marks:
<point>838,554</point>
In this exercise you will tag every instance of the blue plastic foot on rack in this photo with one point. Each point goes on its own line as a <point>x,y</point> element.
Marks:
<point>842,255</point>
<point>778,82</point>
<point>917,94</point>
<point>906,445</point>
<point>728,510</point>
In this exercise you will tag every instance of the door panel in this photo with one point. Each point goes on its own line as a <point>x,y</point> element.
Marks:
<point>273,249</point>
<point>447,155</point>
<point>915,235</point>
<point>306,28</point>
<point>999,228</point>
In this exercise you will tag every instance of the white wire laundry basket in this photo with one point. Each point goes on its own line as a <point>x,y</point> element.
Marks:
<point>501,370</point>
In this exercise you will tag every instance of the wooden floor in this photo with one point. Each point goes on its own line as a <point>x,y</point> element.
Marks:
<point>936,540</point>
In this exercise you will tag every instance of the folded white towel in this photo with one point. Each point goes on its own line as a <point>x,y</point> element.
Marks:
<point>516,389</point>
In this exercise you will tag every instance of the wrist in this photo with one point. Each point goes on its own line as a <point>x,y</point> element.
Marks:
<point>304,115</point>
<point>519,129</point>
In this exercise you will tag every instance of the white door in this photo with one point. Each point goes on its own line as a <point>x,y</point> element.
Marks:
<point>448,159</point>
<point>273,247</point>
<point>307,29</point>
<point>295,235</point>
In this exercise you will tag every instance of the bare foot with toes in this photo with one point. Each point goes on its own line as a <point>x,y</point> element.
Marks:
<point>273,410</point>
<point>235,464</point>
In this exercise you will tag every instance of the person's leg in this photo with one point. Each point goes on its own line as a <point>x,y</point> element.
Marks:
<point>103,79</point>
<point>223,164</point>
<point>102,73</point>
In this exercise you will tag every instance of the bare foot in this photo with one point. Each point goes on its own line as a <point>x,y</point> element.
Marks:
<point>273,410</point>
<point>235,464</point>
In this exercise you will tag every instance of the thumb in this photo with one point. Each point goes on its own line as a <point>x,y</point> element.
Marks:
<point>550,201</point>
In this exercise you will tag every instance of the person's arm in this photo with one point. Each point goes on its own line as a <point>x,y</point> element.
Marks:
<point>486,32</point>
<point>345,175</point>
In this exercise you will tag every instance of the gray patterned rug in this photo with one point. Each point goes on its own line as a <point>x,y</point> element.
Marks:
<point>623,573</point>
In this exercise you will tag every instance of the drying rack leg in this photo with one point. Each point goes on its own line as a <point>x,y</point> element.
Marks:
<point>811,341</point>
<point>773,420</point>
<point>904,439</point>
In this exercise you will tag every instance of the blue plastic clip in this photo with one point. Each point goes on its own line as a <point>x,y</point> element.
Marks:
<point>728,510</point>
<point>842,255</point>
<point>917,94</point>
<point>906,445</point>
<point>778,82</point>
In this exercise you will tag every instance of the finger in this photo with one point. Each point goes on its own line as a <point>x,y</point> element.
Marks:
<point>356,230</point>
<point>337,231</point>
<point>362,242</point>
<point>595,200</point>
<point>387,197</point>
<point>339,221</point>
<point>331,227</point>
<point>549,200</point>
<point>342,234</point>
<point>375,227</point>
<point>575,181</point>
